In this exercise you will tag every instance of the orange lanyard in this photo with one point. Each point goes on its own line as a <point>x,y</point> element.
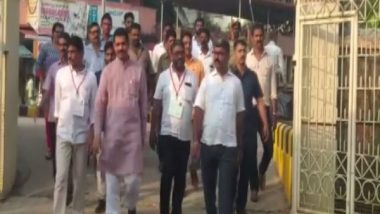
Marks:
<point>180,84</point>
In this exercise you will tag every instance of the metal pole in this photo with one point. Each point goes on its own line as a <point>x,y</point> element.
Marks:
<point>268,20</point>
<point>176,21</point>
<point>103,7</point>
<point>239,10</point>
<point>251,9</point>
<point>162,18</point>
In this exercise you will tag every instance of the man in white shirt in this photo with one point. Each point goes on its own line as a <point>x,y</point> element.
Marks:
<point>159,49</point>
<point>94,51</point>
<point>171,127</point>
<point>205,54</point>
<point>218,125</point>
<point>198,25</point>
<point>260,62</point>
<point>275,52</point>
<point>75,92</point>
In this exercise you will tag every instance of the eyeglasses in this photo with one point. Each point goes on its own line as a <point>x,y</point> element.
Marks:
<point>219,53</point>
<point>94,32</point>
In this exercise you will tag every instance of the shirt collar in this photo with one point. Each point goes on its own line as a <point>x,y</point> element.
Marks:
<point>237,73</point>
<point>121,62</point>
<point>214,73</point>
<point>101,48</point>
<point>191,60</point>
<point>102,39</point>
<point>60,62</point>
<point>141,49</point>
<point>166,55</point>
<point>206,55</point>
<point>253,51</point>
<point>83,71</point>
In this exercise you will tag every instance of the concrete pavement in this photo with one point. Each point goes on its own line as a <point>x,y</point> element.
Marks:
<point>33,192</point>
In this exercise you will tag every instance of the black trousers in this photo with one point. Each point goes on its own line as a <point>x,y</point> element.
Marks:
<point>248,173</point>
<point>174,155</point>
<point>52,135</point>
<point>98,74</point>
<point>267,146</point>
<point>219,163</point>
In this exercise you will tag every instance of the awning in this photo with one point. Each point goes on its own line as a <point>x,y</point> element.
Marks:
<point>24,52</point>
<point>28,33</point>
<point>279,10</point>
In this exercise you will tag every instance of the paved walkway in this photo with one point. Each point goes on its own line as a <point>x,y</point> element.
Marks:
<point>33,191</point>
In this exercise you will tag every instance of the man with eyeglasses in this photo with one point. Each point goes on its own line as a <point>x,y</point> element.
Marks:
<point>94,51</point>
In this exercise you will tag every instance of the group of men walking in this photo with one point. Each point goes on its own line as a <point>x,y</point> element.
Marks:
<point>208,102</point>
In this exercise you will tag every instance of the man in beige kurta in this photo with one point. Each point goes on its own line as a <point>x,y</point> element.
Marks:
<point>121,113</point>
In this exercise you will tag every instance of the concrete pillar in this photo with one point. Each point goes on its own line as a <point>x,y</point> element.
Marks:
<point>9,58</point>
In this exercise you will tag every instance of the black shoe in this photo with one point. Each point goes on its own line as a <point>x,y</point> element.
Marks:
<point>69,199</point>
<point>48,156</point>
<point>131,211</point>
<point>262,181</point>
<point>101,208</point>
<point>194,179</point>
<point>254,196</point>
<point>241,211</point>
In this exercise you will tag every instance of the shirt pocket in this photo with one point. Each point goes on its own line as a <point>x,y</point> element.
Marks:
<point>188,93</point>
<point>227,106</point>
<point>133,88</point>
<point>267,70</point>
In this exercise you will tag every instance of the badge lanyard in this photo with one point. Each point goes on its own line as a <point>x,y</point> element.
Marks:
<point>180,84</point>
<point>81,82</point>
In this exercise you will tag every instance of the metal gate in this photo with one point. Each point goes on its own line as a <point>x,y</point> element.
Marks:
<point>337,107</point>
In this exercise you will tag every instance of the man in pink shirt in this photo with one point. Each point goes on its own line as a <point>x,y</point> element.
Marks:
<point>47,102</point>
<point>121,114</point>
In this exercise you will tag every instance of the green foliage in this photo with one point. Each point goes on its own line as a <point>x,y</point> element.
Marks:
<point>372,13</point>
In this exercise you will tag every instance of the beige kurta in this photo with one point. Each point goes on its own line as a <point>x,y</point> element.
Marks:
<point>121,112</point>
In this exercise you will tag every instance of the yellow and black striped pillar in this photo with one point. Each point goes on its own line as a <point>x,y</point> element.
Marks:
<point>282,156</point>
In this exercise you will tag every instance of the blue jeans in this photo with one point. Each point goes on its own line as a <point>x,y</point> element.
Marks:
<point>219,161</point>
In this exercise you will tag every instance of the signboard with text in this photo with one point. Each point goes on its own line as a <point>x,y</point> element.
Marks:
<point>75,16</point>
